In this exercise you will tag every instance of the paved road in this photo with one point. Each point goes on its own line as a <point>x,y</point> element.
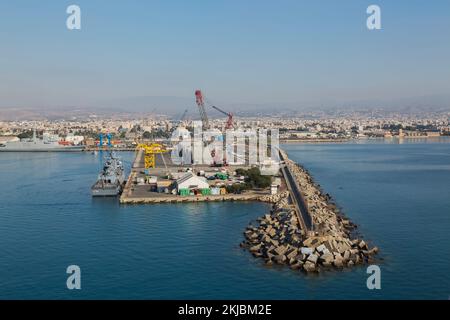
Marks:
<point>297,198</point>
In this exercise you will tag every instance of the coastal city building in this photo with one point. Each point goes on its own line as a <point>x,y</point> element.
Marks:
<point>313,126</point>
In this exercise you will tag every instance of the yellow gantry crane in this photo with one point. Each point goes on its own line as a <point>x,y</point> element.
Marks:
<point>151,150</point>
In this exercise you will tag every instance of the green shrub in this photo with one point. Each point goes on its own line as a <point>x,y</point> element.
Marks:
<point>254,179</point>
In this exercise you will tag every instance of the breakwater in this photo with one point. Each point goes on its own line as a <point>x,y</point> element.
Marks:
<point>278,237</point>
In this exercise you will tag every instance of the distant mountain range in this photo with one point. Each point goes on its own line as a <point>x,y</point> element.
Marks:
<point>135,107</point>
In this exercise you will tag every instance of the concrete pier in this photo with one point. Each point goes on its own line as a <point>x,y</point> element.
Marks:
<point>134,194</point>
<point>127,190</point>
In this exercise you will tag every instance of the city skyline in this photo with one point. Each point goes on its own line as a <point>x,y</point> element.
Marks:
<point>291,54</point>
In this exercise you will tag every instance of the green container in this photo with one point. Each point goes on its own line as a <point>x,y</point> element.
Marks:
<point>222,176</point>
<point>184,192</point>
<point>206,192</point>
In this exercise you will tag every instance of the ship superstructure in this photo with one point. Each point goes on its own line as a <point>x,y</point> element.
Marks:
<point>111,179</point>
<point>48,143</point>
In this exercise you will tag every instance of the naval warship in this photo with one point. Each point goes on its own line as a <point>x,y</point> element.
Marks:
<point>111,179</point>
<point>48,143</point>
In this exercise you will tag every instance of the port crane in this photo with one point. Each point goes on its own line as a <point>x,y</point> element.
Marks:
<point>183,117</point>
<point>204,117</point>
<point>230,121</point>
<point>201,107</point>
<point>150,152</point>
<point>205,122</point>
<point>179,121</point>
<point>108,136</point>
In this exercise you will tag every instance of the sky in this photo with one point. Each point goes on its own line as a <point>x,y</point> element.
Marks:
<point>239,52</point>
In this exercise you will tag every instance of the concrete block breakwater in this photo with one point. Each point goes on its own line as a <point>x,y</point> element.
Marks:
<point>278,237</point>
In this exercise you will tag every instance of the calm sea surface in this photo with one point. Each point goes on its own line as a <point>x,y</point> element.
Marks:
<point>399,195</point>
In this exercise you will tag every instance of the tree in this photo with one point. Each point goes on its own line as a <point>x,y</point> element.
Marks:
<point>254,179</point>
<point>236,188</point>
<point>25,135</point>
<point>147,135</point>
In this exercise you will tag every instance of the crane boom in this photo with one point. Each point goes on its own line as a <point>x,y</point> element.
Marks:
<point>201,108</point>
<point>230,121</point>
<point>184,115</point>
<point>220,110</point>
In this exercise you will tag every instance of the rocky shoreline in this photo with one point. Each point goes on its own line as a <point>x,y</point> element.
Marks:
<point>278,238</point>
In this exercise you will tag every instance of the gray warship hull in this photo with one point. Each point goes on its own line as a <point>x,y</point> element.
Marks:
<point>37,146</point>
<point>111,179</point>
<point>98,190</point>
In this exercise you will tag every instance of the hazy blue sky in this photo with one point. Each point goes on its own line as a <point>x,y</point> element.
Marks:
<point>237,51</point>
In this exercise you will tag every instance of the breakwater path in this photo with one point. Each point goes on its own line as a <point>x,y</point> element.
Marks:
<point>304,229</point>
<point>296,196</point>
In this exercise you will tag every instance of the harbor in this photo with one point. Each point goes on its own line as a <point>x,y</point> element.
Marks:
<point>144,244</point>
<point>303,230</point>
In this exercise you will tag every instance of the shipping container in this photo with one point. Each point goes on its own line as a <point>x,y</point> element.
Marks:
<point>206,192</point>
<point>184,192</point>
